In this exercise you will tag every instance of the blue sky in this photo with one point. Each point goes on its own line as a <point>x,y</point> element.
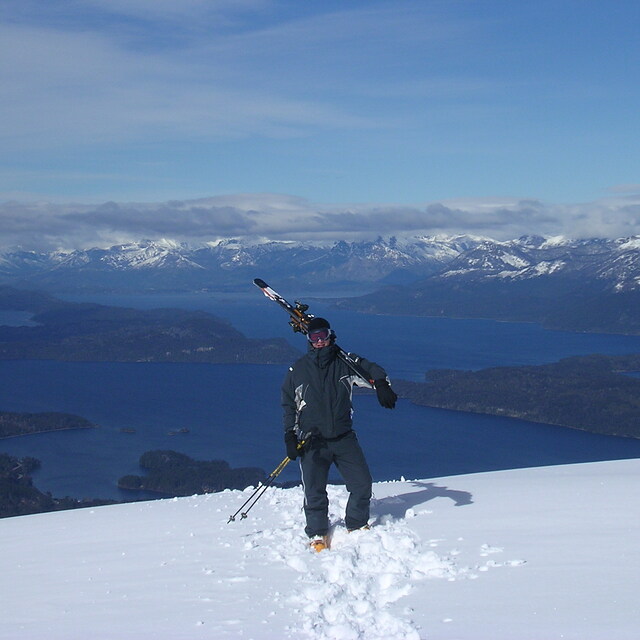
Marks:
<point>333,105</point>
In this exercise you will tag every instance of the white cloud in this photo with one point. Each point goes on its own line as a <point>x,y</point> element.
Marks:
<point>343,101</point>
<point>170,9</point>
<point>276,216</point>
<point>79,89</point>
<point>63,85</point>
<point>116,75</point>
<point>633,189</point>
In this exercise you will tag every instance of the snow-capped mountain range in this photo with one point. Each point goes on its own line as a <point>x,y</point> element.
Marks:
<point>165,264</point>
<point>615,263</point>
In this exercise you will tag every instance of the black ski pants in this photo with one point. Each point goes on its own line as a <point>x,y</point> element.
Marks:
<point>346,454</point>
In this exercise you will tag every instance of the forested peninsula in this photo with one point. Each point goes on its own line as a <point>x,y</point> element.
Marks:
<point>594,393</point>
<point>19,497</point>
<point>72,331</point>
<point>21,424</point>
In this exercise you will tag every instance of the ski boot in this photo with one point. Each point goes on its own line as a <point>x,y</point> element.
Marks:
<point>319,543</point>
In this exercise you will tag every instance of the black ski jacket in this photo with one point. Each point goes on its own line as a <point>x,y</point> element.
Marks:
<point>316,393</point>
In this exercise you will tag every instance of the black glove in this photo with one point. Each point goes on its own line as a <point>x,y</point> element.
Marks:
<point>386,395</point>
<point>291,442</point>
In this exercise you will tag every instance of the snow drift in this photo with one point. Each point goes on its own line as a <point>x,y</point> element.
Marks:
<point>514,555</point>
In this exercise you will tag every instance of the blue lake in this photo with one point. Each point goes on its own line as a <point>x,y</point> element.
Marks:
<point>232,412</point>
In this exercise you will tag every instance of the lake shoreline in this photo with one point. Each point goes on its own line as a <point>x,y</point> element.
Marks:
<point>233,413</point>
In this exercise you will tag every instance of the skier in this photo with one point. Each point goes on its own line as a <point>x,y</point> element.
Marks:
<point>316,398</point>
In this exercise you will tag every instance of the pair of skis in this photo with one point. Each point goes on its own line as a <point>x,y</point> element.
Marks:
<point>299,321</point>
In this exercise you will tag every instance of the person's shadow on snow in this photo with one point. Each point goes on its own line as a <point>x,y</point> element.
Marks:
<point>397,506</point>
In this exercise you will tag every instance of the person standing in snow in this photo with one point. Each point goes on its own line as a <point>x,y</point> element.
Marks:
<point>316,399</point>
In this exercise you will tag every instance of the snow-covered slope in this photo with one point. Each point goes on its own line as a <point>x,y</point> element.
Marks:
<point>530,554</point>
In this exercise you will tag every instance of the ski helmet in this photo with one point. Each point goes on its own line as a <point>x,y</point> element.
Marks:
<point>319,329</point>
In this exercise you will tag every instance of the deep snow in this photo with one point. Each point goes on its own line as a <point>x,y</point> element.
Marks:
<point>529,554</point>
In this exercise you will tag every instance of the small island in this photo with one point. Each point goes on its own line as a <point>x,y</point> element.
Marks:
<point>594,393</point>
<point>170,474</point>
<point>21,424</point>
<point>174,474</point>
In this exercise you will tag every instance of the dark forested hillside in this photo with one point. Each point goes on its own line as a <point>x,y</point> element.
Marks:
<point>19,424</point>
<point>175,474</point>
<point>584,392</point>
<point>19,497</point>
<point>92,332</point>
<point>554,302</point>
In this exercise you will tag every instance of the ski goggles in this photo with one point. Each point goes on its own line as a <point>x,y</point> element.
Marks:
<point>319,335</point>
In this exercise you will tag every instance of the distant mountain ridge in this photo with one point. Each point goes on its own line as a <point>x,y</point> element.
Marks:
<point>615,263</point>
<point>578,285</point>
<point>587,285</point>
<point>154,265</point>
<point>166,265</point>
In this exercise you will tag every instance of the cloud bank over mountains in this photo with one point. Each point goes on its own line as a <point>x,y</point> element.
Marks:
<point>36,226</point>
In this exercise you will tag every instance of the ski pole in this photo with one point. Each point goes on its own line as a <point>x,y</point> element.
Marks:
<point>258,493</point>
<point>260,489</point>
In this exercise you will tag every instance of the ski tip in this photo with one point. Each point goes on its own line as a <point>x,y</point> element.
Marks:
<point>260,283</point>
